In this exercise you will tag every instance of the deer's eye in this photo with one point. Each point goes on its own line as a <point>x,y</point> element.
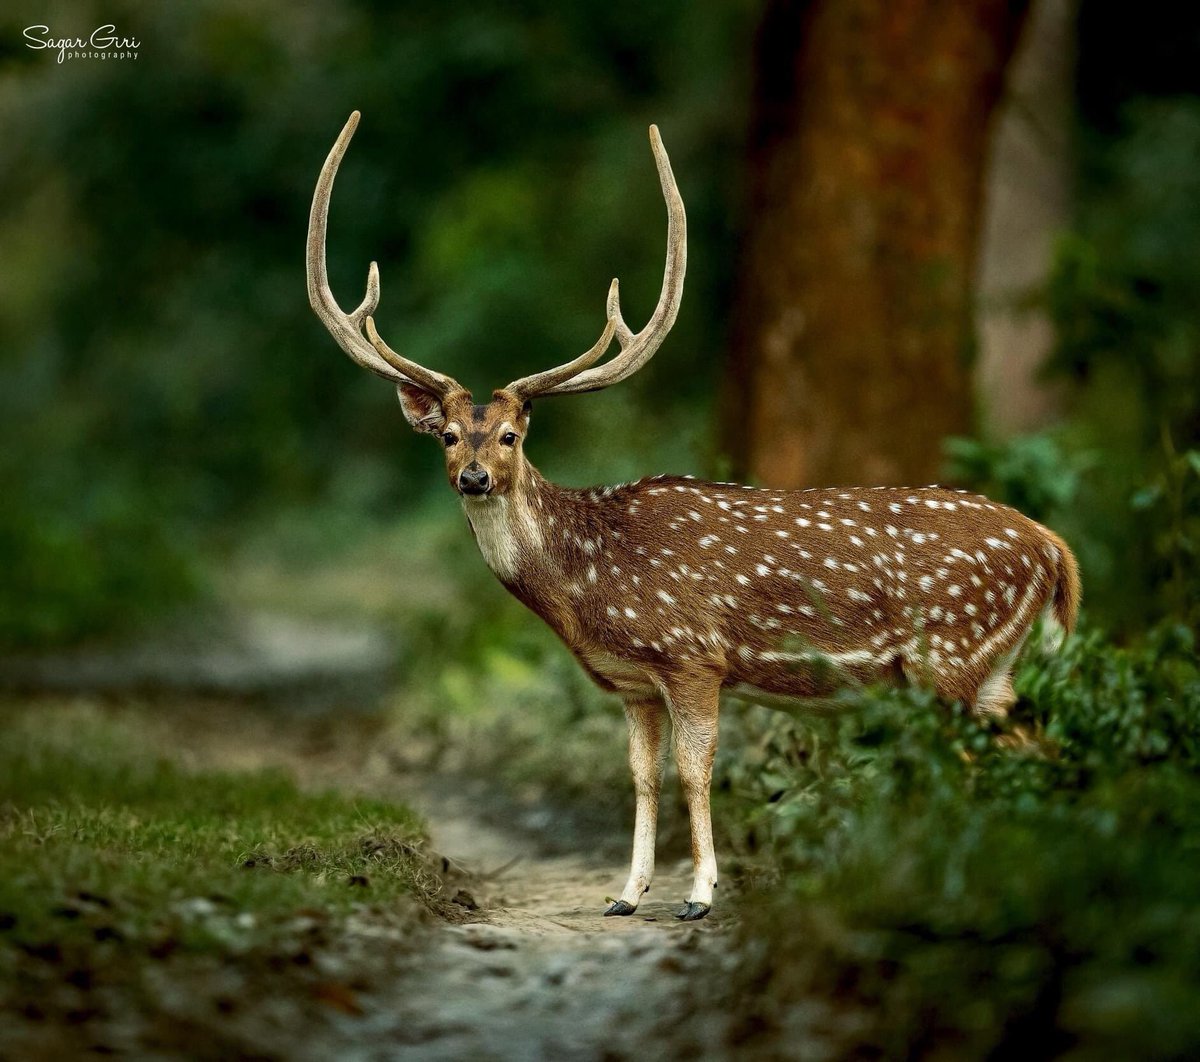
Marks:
<point>508,439</point>
<point>449,438</point>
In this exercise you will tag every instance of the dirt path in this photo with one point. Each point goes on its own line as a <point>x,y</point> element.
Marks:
<point>536,972</point>
<point>543,975</point>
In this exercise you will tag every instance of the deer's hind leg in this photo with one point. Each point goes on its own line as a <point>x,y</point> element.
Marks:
<point>647,718</point>
<point>996,695</point>
<point>694,702</point>
<point>989,697</point>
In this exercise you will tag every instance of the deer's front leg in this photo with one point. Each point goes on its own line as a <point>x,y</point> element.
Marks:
<point>647,725</point>
<point>693,705</point>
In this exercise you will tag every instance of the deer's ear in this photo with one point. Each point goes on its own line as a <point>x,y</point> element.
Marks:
<point>422,410</point>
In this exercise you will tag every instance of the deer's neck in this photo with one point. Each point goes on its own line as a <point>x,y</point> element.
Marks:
<point>507,528</point>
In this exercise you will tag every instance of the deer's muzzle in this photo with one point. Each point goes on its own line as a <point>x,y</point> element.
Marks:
<point>474,479</point>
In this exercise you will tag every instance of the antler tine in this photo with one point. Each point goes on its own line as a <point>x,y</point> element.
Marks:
<point>370,299</point>
<point>436,382</point>
<point>542,382</point>
<point>576,376</point>
<point>638,349</point>
<point>346,329</point>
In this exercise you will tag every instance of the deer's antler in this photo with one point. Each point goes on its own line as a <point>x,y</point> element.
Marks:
<point>345,328</point>
<point>576,376</point>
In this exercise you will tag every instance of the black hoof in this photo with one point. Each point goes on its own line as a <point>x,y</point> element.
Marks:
<point>692,912</point>
<point>620,907</point>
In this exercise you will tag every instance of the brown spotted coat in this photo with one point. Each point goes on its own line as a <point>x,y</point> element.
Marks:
<point>790,592</point>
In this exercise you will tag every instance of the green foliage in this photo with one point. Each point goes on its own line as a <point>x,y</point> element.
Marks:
<point>85,810</point>
<point>498,696</point>
<point>1125,301</point>
<point>1125,295</point>
<point>1167,510</point>
<point>946,890</point>
<point>90,560</point>
<point>1111,709</point>
<point>1031,472</point>
<point>1134,526</point>
<point>156,346</point>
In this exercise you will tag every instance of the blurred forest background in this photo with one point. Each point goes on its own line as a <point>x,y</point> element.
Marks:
<point>928,240</point>
<point>166,388</point>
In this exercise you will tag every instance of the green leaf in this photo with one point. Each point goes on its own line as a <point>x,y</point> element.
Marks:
<point>1147,497</point>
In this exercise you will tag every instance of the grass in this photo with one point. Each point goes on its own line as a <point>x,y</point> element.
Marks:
<point>113,858</point>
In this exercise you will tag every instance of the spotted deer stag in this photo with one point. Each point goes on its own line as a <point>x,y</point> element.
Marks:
<point>672,590</point>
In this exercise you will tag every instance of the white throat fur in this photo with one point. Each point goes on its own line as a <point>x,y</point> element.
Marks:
<point>505,531</point>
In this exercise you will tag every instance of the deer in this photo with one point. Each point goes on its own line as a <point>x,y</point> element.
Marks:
<point>672,591</point>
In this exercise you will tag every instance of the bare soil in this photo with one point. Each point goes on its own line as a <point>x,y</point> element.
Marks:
<point>543,975</point>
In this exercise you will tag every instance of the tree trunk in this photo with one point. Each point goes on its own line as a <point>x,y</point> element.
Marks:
<point>853,329</point>
<point>1027,204</point>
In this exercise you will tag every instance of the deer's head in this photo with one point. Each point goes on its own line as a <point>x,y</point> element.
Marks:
<point>482,443</point>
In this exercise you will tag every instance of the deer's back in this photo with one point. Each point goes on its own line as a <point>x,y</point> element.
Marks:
<point>788,591</point>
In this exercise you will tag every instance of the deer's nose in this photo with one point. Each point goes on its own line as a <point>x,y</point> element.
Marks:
<point>474,480</point>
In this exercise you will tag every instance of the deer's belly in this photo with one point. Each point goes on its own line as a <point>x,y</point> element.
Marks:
<point>793,704</point>
<point>808,672</point>
<point>614,673</point>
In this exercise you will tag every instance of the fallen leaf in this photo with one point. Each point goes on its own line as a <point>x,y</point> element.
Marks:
<point>340,997</point>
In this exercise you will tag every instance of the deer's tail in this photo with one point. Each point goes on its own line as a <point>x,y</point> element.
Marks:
<point>1064,606</point>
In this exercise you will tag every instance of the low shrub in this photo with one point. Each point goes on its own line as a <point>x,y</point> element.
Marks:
<point>944,890</point>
